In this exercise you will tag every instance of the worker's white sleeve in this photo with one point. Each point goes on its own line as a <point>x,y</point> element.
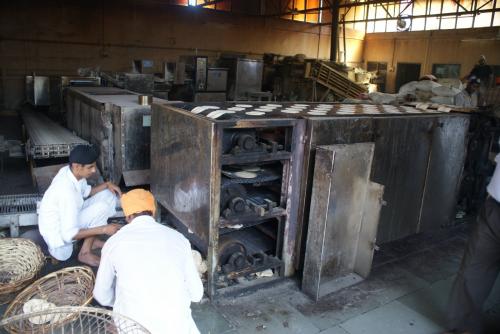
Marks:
<point>68,219</point>
<point>459,100</point>
<point>86,189</point>
<point>104,289</point>
<point>474,100</point>
<point>193,280</point>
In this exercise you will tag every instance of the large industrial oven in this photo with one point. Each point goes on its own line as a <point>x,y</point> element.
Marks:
<point>411,163</point>
<point>229,179</point>
<point>113,120</point>
<point>418,158</point>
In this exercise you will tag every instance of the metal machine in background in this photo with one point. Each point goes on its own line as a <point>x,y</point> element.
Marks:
<point>17,211</point>
<point>135,82</point>
<point>229,184</point>
<point>216,86</point>
<point>45,138</point>
<point>244,79</point>
<point>195,81</point>
<point>144,66</point>
<point>299,79</point>
<point>38,90</point>
<point>59,84</point>
<point>115,121</point>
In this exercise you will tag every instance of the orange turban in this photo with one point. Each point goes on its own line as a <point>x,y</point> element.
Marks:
<point>138,200</point>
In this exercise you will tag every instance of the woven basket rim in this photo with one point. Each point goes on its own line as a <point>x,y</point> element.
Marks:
<point>72,309</point>
<point>47,277</point>
<point>13,286</point>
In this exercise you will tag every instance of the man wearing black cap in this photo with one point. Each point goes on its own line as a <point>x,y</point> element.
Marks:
<point>72,210</point>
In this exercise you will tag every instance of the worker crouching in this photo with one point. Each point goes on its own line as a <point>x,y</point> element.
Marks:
<point>72,210</point>
<point>147,271</point>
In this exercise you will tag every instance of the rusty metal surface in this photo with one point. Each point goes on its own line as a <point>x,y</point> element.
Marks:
<point>324,131</point>
<point>132,139</point>
<point>340,187</point>
<point>447,156</point>
<point>402,150</point>
<point>187,158</point>
<point>136,177</point>
<point>181,168</point>
<point>368,231</point>
<point>43,176</point>
<point>113,120</point>
<point>91,120</point>
<point>402,147</point>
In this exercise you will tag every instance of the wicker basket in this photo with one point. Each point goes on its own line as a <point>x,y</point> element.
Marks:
<point>20,261</point>
<point>67,287</point>
<point>78,320</point>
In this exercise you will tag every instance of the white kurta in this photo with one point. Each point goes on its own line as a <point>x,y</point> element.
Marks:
<point>64,211</point>
<point>493,187</point>
<point>147,273</point>
<point>466,100</point>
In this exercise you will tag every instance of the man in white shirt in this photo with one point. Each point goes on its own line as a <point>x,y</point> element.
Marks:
<point>66,215</point>
<point>468,97</point>
<point>147,271</point>
<point>480,265</point>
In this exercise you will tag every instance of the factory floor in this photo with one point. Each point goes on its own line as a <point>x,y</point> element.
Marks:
<point>406,292</point>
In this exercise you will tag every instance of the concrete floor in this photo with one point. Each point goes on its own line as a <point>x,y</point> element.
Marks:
<point>406,292</point>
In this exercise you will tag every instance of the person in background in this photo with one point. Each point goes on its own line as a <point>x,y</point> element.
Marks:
<point>468,97</point>
<point>147,271</point>
<point>484,73</point>
<point>480,265</point>
<point>72,210</point>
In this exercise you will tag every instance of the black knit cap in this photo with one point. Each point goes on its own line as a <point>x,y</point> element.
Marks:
<point>83,154</point>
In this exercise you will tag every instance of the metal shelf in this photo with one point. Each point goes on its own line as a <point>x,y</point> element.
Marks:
<point>229,159</point>
<point>247,221</point>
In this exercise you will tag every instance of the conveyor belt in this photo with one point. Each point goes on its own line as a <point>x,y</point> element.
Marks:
<point>47,139</point>
<point>15,204</point>
<point>18,210</point>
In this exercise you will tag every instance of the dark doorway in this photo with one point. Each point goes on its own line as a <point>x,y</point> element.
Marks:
<point>406,72</point>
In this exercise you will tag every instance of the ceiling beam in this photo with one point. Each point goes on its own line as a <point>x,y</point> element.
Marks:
<point>383,7</point>
<point>459,5</point>
<point>484,4</point>
<point>208,3</point>
<point>342,5</point>
<point>418,16</point>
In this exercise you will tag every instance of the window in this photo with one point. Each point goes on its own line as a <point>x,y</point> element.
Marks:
<point>446,70</point>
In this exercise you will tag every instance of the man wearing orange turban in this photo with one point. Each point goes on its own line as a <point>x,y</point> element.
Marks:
<point>147,271</point>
